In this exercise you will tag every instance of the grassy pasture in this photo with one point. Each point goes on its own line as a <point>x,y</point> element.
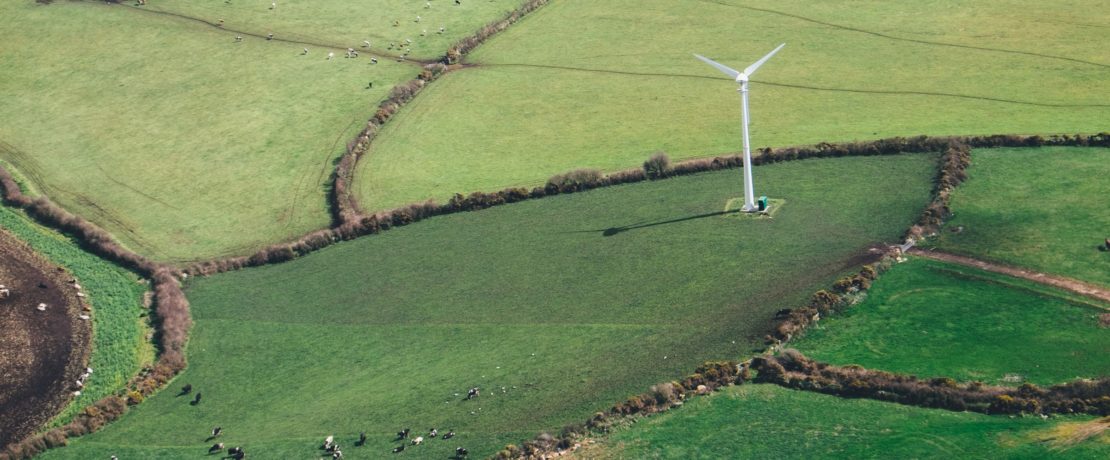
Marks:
<point>389,331</point>
<point>936,319</point>
<point>1043,209</point>
<point>346,24</point>
<point>766,421</point>
<point>605,84</point>
<point>119,345</point>
<point>179,141</point>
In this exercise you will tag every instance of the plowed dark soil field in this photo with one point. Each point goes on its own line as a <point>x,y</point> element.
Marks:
<point>42,353</point>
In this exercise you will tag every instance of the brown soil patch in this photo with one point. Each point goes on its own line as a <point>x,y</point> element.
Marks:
<point>42,353</point>
<point>1067,284</point>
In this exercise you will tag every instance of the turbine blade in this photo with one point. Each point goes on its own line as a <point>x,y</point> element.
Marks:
<point>723,68</point>
<point>752,68</point>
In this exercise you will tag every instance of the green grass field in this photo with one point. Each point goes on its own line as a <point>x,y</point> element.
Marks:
<point>389,331</point>
<point>346,23</point>
<point>934,319</point>
<point>766,421</point>
<point>182,143</point>
<point>1043,209</point>
<point>585,83</point>
<point>119,345</point>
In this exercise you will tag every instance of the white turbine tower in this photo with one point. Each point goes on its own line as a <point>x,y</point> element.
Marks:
<point>742,79</point>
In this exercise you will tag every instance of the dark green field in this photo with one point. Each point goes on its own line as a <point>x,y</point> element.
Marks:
<point>765,421</point>
<point>389,331</point>
<point>935,319</point>
<point>1044,209</point>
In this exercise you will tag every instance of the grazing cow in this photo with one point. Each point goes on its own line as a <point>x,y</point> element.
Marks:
<point>331,55</point>
<point>215,448</point>
<point>450,434</point>
<point>472,393</point>
<point>417,440</point>
<point>234,450</point>
<point>366,43</point>
<point>270,36</point>
<point>400,448</point>
<point>196,399</point>
<point>216,431</point>
<point>361,439</point>
<point>461,453</point>
<point>403,434</point>
<point>337,454</point>
<point>373,60</point>
<point>432,433</point>
<point>458,2</point>
<point>238,38</point>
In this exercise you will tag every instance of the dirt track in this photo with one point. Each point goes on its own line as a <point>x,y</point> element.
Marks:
<point>1068,284</point>
<point>42,353</point>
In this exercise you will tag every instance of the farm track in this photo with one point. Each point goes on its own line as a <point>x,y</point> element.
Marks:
<point>803,87</point>
<point>1059,282</point>
<point>300,41</point>
<point>909,40</point>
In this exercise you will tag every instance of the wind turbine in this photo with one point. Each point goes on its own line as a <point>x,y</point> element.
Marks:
<point>742,79</point>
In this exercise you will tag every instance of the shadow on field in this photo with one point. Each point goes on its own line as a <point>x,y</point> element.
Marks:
<point>642,224</point>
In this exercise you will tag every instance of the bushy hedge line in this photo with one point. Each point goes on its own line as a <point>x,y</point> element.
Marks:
<point>351,223</point>
<point>952,173</point>
<point>172,319</point>
<point>345,208</point>
<point>708,377</point>
<point>792,369</point>
<point>467,44</point>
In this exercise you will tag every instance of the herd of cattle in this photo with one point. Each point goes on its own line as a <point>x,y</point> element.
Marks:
<point>329,445</point>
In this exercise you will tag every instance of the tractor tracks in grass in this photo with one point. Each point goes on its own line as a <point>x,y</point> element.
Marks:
<point>909,40</point>
<point>328,156</point>
<point>29,168</point>
<point>133,189</point>
<point>793,86</point>
<point>1059,282</point>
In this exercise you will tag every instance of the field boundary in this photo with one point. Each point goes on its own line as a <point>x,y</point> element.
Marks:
<point>351,223</point>
<point>171,315</point>
<point>793,370</point>
<point>345,208</point>
<point>171,307</point>
<point>1056,281</point>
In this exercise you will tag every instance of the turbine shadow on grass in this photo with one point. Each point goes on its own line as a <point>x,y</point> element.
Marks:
<point>611,231</point>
